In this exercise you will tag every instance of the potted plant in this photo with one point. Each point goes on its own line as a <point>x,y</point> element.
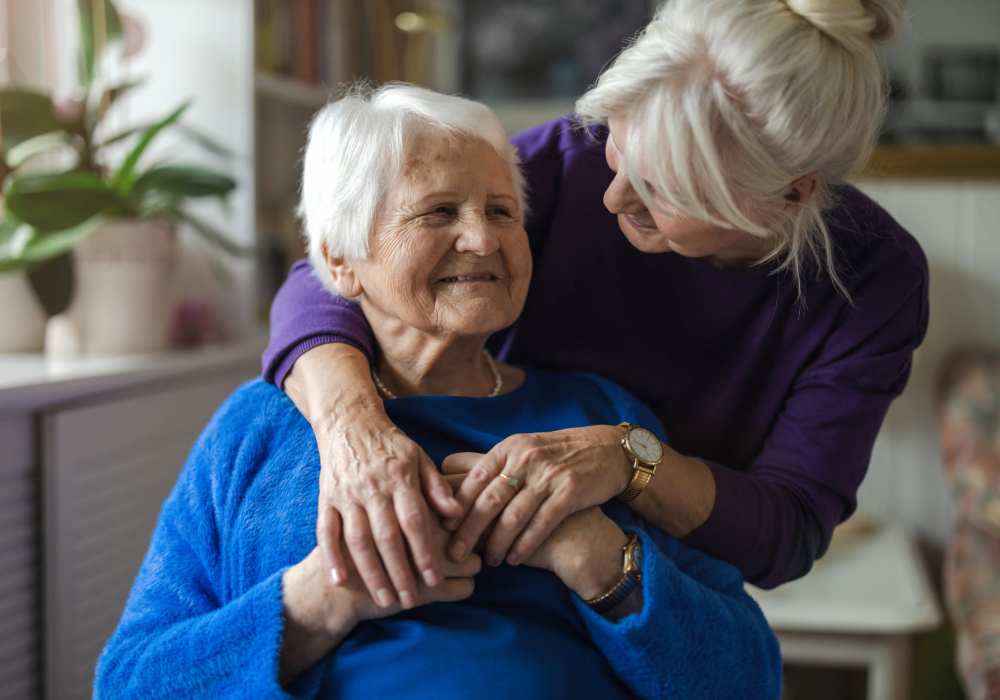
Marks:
<point>117,218</point>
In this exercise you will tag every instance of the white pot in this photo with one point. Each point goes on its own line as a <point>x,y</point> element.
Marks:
<point>22,318</point>
<point>123,299</point>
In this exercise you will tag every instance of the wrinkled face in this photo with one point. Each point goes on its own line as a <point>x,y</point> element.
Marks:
<point>653,231</point>
<point>449,255</point>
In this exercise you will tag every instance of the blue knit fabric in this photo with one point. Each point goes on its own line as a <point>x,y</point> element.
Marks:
<point>204,617</point>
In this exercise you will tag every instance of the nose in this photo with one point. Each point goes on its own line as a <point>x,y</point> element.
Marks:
<point>478,238</point>
<point>621,197</point>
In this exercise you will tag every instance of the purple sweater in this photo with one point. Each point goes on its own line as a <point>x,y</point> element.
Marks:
<point>782,399</point>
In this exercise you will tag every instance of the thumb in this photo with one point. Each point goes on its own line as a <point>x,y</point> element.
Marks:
<point>460,462</point>
<point>437,490</point>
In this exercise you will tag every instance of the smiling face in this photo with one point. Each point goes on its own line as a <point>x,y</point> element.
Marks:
<point>654,231</point>
<point>449,255</point>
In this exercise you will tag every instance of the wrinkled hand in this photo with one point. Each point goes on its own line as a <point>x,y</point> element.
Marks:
<point>376,492</point>
<point>561,473</point>
<point>584,551</point>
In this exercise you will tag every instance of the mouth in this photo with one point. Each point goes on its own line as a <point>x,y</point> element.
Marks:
<point>642,223</point>
<point>479,277</point>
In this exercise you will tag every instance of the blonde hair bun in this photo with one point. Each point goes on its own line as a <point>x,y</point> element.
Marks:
<point>856,24</point>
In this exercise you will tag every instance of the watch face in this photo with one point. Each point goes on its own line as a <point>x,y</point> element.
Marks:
<point>646,445</point>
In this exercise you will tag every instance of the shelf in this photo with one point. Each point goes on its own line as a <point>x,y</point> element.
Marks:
<point>959,162</point>
<point>288,90</point>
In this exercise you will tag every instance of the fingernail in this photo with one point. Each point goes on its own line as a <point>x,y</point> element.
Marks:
<point>384,598</point>
<point>407,599</point>
<point>431,578</point>
<point>458,550</point>
<point>513,559</point>
<point>493,561</point>
<point>336,576</point>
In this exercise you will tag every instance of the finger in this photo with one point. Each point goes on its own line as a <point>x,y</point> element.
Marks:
<point>328,532</point>
<point>470,566</point>
<point>476,480</point>
<point>451,590</point>
<point>493,499</point>
<point>460,462</point>
<point>391,547</point>
<point>357,534</point>
<point>437,490</point>
<point>417,523</point>
<point>549,516</point>
<point>511,523</point>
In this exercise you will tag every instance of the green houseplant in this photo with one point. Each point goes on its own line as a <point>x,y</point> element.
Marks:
<point>62,184</point>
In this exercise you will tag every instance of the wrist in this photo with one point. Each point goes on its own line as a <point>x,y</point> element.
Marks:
<point>601,568</point>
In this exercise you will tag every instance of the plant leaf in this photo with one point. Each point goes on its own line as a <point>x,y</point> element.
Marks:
<point>184,181</point>
<point>36,146</point>
<point>89,58</point>
<point>125,176</point>
<point>25,114</point>
<point>99,105</point>
<point>60,201</point>
<point>49,244</point>
<point>213,235</point>
<point>205,141</point>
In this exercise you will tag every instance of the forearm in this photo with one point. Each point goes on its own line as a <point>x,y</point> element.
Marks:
<point>309,631</point>
<point>772,532</point>
<point>331,381</point>
<point>680,497</point>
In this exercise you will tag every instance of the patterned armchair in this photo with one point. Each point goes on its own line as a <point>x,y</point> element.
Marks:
<point>970,433</point>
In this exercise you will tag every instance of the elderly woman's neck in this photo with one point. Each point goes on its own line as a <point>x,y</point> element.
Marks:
<point>412,363</point>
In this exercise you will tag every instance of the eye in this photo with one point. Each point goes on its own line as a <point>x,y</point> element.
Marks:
<point>500,211</point>
<point>441,212</point>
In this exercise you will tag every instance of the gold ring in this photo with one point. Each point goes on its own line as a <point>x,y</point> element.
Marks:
<point>514,482</point>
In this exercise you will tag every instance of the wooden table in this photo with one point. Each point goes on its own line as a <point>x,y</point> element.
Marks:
<point>859,606</point>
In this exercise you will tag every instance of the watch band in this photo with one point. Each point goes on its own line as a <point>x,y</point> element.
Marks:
<point>640,480</point>
<point>631,577</point>
<point>641,475</point>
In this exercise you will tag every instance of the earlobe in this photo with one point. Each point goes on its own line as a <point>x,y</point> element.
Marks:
<point>344,277</point>
<point>802,190</point>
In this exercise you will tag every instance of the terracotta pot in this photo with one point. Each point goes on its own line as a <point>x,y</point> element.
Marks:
<point>123,297</point>
<point>22,318</point>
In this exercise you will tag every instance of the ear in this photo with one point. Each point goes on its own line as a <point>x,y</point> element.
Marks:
<point>801,191</point>
<point>344,277</point>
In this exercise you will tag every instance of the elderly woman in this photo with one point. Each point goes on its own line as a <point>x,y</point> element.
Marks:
<point>233,599</point>
<point>764,310</point>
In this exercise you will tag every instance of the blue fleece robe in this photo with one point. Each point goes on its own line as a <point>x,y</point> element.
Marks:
<point>204,616</point>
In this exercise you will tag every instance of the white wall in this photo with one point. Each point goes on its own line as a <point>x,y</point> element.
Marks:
<point>202,50</point>
<point>958,226</point>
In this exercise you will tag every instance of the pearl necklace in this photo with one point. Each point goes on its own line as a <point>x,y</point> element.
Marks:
<point>497,385</point>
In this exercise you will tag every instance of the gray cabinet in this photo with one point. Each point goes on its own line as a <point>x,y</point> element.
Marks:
<point>85,470</point>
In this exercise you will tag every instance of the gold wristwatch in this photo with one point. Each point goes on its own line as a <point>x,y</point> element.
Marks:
<point>629,581</point>
<point>645,450</point>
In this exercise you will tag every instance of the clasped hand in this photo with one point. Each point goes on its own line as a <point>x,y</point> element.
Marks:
<point>384,498</point>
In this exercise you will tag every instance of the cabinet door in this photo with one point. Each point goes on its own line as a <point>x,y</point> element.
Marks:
<point>107,469</point>
<point>20,660</point>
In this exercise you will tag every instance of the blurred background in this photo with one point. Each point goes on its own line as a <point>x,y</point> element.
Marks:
<point>150,159</point>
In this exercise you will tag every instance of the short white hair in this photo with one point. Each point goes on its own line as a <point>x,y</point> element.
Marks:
<point>357,144</point>
<point>727,102</point>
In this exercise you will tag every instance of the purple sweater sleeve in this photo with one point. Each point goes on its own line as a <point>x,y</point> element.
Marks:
<point>776,518</point>
<point>304,315</point>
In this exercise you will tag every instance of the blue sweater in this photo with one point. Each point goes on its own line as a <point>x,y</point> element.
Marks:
<point>204,617</point>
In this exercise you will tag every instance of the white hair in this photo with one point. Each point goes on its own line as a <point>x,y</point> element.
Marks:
<point>357,144</point>
<point>728,102</point>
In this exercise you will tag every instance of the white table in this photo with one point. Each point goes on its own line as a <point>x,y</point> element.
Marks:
<point>859,606</point>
